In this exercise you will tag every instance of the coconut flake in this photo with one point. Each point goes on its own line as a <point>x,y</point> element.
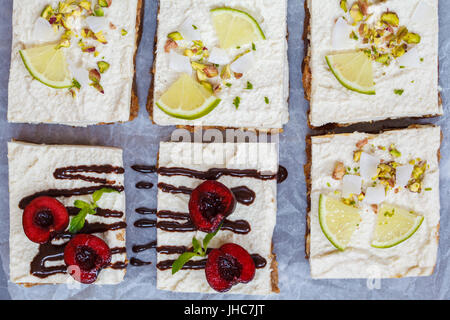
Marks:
<point>79,73</point>
<point>403,175</point>
<point>179,63</point>
<point>243,64</point>
<point>97,24</point>
<point>375,195</point>
<point>219,56</point>
<point>368,166</point>
<point>340,38</point>
<point>424,13</point>
<point>188,31</point>
<point>351,184</point>
<point>43,30</point>
<point>410,59</point>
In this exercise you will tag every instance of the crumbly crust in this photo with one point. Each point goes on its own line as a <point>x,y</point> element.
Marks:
<point>307,171</point>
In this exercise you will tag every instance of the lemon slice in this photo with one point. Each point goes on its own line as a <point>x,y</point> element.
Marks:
<point>235,27</point>
<point>47,65</point>
<point>353,70</point>
<point>187,99</point>
<point>394,225</point>
<point>338,221</point>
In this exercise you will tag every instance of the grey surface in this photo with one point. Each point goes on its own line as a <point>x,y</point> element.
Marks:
<point>140,141</point>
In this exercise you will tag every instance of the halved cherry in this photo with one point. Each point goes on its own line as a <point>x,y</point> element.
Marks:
<point>85,256</point>
<point>229,265</point>
<point>42,217</point>
<point>210,203</point>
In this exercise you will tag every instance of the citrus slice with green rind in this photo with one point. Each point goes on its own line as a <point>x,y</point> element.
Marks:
<point>394,226</point>
<point>187,99</point>
<point>338,221</point>
<point>48,65</point>
<point>353,70</point>
<point>235,27</point>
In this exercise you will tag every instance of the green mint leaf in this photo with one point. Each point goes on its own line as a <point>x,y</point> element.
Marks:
<point>80,204</point>
<point>208,239</point>
<point>181,261</point>
<point>77,222</point>
<point>196,245</point>
<point>96,196</point>
<point>237,102</point>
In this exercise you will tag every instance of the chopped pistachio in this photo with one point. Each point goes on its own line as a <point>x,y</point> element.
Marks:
<point>201,76</point>
<point>188,52</point>
<point>238,75</point>
<point>357,155</point>
<point>228,84</point>
<point>211,71</point>
<point>415,187</point>
<point>399,91</point>
<point>237,102</point>
<point>103,66</point>
<point>100,37</point>
<point>401,33</point>
<point>412,38</point>
<point>208,86</point>
<point>85,5</point>
<point>266,99</point>
<point>253,47</point>
<point>63,44</point>
<point>399,51</point>
<point>393,151</point>
<point>94,75</point>
<point>226,72</point>
<point>353,36</point>
<point>355,13</point>
<point>390,18</point>
<point>104,3</point>
<point>98,11</point>
<point>76,84</point>
<point>198,66</point>
<point>176,36</point>
<point>170,44</point>
<point>98,87</point>
<point>124,32</point>
<point>249,85</point>
<point>383,58</point>
<point>339,171</point>
<point>343,5</point>
<point>47,12</point>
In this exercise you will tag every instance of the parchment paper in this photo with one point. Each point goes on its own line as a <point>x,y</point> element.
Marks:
<point>140,140</point>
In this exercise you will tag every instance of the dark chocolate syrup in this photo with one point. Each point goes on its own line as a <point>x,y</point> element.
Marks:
<point>144,185</point>
<point>215,173</point>
<point>242,194</point>
<point>260,263</point>
<point>135,262</point>
<point>105,213</point>
<point>144,168</point>
<point>142,247</point>
<point>145,211</point>
<point>282,174</point>
<point>71,173</point>
<point>118,265</point>
<point>54,193</point>
<point>145,223</point>
<point>165,214</point>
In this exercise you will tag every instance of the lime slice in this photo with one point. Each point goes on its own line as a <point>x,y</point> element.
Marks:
<point>394,225</point>
<point>47,65</point>
<point>187,99</point>
<point>353,70</point>
<point>235,27</point>
<point>338,221</point>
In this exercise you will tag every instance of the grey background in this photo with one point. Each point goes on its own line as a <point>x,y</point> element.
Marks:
<point>140,140</point>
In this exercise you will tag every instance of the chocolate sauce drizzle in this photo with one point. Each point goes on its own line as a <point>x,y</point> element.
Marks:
<point>145,211</point>
<point>71,173</point>
<point>144,185</point>
<point>243,194</point>
<point>52,252</point>
<point>142,247</point>
<point>144,168</point>
<point>135,262</point>
<point>145,223</point>
<point>215,173</point>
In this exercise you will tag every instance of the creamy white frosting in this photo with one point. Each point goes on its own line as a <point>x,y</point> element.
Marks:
<point>29,101</point>
<point>333,103</point>
<point>31,170</point>
<point>269,74</point>
<point>414,257</point>
<point>261,215</point>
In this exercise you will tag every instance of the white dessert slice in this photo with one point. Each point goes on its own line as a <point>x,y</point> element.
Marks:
<point>30,101</point>
<point>263,107</point>
<point>417,146</point>
<point>32,171</point>
<point>259,217</point>
<point>399,86</point>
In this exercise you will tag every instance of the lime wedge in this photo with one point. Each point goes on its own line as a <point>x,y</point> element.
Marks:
<point>353,70</point>
<point>338,221</point>
<point>47,65</point>
<point>235,27</point>
<point>394,225</point>
<point>187,99</point>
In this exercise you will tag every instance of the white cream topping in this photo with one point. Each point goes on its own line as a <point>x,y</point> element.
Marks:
<point>333,103</point>
<point>261,215</point>
<point>268,75</point>
<point>30,101</point>
<point>31,170</point>
<point>414,257</point>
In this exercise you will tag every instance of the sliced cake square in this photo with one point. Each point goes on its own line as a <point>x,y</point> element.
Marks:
<point>374,204</point>
<point>250,172</point>
<point>246,85</point>
<point>394,73</point>
<point>68,174</point>
<point>97,47</point>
